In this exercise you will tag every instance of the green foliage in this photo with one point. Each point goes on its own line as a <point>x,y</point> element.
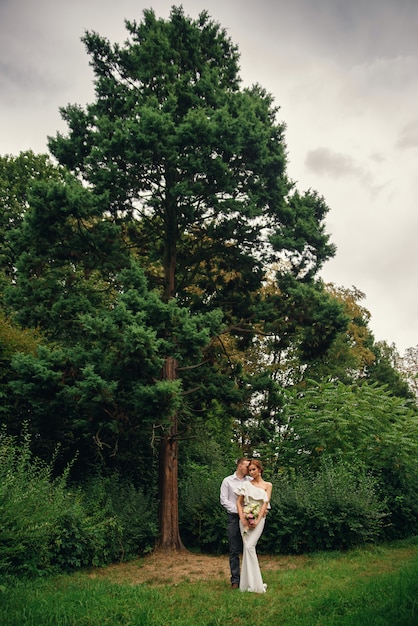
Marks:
<point>66,254</point>
<point>202,519</point>
<point>202,469</point>
<point>113,375</point>
<point>336,508</point>
<point>17,175</point>
<point>81,539</point>
<point>354,421</point>
<point>48,526</point>
<point>110,520</point>
<point>13,339</point>
<point>351,353</point>
<point>31,504</point>
<point>118,498</point>
<point>383,370</point>
<point>362,423</point>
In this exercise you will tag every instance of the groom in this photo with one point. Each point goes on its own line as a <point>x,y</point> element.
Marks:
<point>228,499</point>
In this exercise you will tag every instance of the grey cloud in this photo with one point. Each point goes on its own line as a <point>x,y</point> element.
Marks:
<point>17,83</point>
<point>377,157</point>
<point>348,32</point>
<point>408,136</point>
<point>16,77</point>
<point>325,162</point>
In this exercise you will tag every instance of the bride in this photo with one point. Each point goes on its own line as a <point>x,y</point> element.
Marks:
<point>252,504</point>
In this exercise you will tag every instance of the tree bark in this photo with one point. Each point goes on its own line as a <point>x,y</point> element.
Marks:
<point>169,536</point>
<point>169,533</point>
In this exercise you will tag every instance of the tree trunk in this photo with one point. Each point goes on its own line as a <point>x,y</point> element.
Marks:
<point>169,533</point>
<point>169,536</point>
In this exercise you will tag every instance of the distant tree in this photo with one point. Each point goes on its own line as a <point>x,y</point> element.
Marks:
<point>407,365</point>
<point>351,354</point>
<point>384,370</point>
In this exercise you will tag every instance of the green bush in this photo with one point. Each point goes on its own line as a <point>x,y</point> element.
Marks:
<point>31,503</point>
<point>80,540</point>
<point>137,515</point>
<point>403,506</point>
<point>46,526</point>
<point>358,423</point>
<point>338,507</point>
<point>203,521</point>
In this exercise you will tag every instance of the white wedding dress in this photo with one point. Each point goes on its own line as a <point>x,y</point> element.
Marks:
<point>251,579</point>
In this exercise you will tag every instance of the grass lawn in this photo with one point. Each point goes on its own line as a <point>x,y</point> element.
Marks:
<point>370,586</point>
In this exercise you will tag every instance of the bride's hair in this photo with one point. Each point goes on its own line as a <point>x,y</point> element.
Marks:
<point>257,463</point>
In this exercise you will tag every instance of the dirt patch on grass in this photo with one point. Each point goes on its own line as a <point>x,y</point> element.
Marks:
<point>163,569</point>
<point>176,567</point>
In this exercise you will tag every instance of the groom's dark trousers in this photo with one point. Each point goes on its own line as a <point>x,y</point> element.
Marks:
<point>235,547</point>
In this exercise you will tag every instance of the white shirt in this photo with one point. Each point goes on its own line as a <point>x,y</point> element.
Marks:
<point>228,496</point>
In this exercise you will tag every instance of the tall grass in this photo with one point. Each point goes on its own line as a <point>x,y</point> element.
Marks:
<point>364,587</point>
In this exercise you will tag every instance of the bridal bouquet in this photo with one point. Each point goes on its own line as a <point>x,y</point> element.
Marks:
<point>251,512</point>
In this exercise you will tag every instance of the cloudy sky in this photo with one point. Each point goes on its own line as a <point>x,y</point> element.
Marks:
<point>345,75</point>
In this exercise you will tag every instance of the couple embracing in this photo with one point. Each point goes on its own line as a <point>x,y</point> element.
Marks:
<point>246,498</point>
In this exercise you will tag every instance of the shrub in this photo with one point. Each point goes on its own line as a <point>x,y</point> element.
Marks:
<point>31,503</point>
<point>136,514</point>
<point>47,526</point>
<point>80,539</point>
<point>358,423</point>
<point>337,507</point>
<point>203,521</point>
<point>403,507</point>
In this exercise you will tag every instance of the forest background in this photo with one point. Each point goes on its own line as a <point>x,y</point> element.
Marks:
<point>161,315</point>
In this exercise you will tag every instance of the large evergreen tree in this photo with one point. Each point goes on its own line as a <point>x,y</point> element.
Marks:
<point>188,169</point>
